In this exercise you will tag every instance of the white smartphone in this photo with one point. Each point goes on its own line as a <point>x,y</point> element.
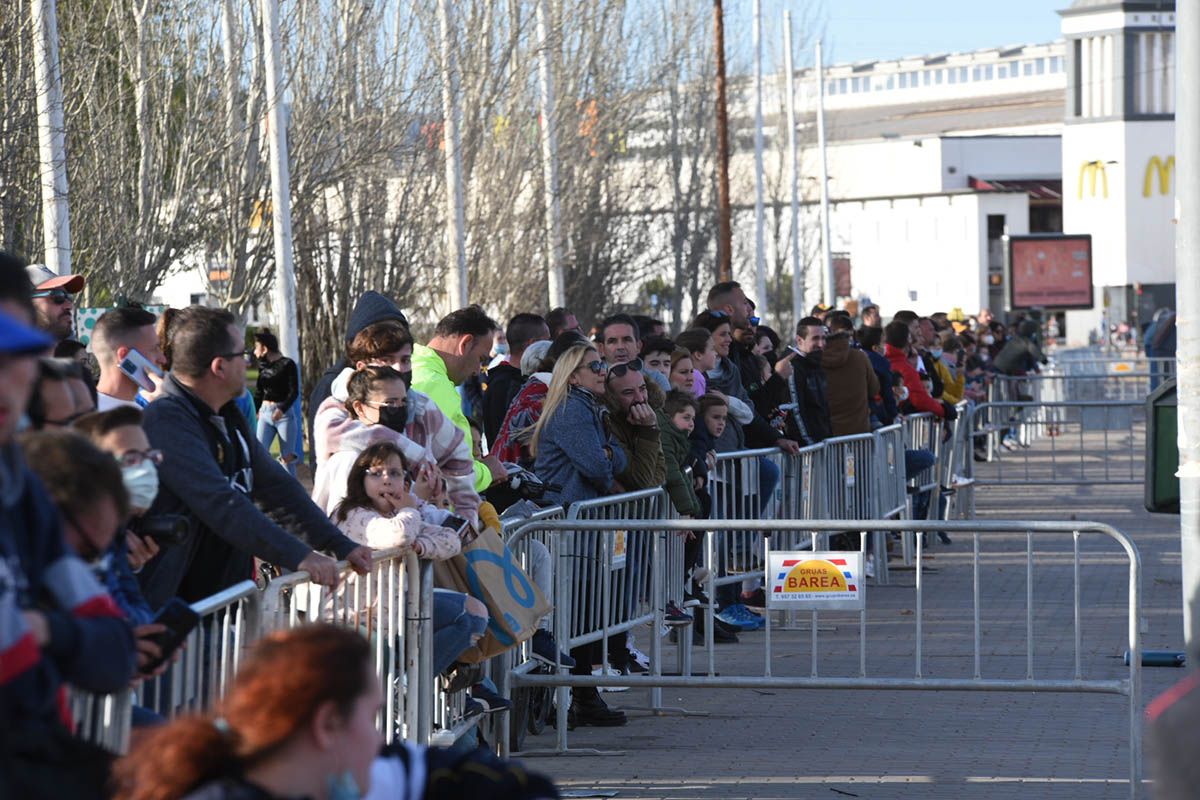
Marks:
<point>139,368</point>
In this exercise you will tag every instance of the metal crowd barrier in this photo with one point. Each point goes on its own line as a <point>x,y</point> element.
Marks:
<point>103,719</point>
<point>1047,656</point>
<point>229,621</point>
<point>392,606</point>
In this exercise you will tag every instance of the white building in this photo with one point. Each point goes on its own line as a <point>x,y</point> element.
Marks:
<point>932,158</point>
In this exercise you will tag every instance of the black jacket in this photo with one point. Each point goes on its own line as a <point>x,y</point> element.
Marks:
<point>217,475</point>
<point>278,383</point>
<point>810,422</point>
<point>504,381</point>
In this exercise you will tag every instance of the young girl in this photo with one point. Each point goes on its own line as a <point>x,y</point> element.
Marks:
<point>380,512</point>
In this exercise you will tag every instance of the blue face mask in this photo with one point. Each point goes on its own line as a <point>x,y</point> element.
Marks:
<point>936,353</point>
<point>343,787</point>
<point>501,348</point>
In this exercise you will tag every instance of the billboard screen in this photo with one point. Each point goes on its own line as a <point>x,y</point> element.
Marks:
<point>1050,272</point>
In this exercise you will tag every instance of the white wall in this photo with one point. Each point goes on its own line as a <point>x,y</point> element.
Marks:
<point>926,254</point>
<point>1000,157</point>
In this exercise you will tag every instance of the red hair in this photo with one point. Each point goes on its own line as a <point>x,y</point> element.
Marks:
<point>277,691</point>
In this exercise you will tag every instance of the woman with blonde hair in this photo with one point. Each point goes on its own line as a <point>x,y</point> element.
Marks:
<point>574,449</point>
<point>571,444</point>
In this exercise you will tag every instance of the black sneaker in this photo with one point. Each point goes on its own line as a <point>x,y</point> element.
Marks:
<point>696,599</point>
<point>673,614</point>
<point>543,648</point>
<point>757,598</point>
<point>489,700</point>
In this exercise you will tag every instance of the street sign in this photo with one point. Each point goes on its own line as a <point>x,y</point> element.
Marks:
<point>816,581</point>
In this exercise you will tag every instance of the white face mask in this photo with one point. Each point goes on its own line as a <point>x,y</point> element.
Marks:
<point>903,393</point>
<point>141,481</point>
<point>989,339</point>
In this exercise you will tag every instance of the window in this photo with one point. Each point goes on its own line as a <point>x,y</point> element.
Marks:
<point>1028,67</point>
<point>1040,65</point>
<point>891,82</point>
<point>977,73</point>
<point>196,299</point>
<point>987,72</point>
<point>903,80</point>
<point>938,75</point>
<point>831,87</point>
<point>962,74</point>
<point>928,77</point>
<point>953,76</point>
<point>842,85</point>
<point>1001,71</point>
<point>854,85</point>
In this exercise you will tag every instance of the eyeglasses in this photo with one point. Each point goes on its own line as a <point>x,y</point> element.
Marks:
<point>597,367</point>
<point>386,404</point>
<point>619,370</point>
<point>131,458</point>
<point>57,296</point>
<point>382,473</point>
<point>245,355</point>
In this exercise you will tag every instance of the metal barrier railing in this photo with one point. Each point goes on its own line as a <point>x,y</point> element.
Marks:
<point>103,719</point>
<point>229,621</point>
<point>1002,675</point>
<point>391,605</point>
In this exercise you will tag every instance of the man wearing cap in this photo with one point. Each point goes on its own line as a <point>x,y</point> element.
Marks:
<point>52,300</point>
<point>57,624</point>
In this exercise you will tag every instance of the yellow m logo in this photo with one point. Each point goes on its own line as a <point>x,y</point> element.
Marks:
<point>1089,169</point>
<point>1164,175</point>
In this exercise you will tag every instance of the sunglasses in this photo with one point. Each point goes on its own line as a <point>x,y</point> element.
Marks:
<point>718,314</point>
<point>619,370</point>
<point>597,367</point>
<point>57,296</point>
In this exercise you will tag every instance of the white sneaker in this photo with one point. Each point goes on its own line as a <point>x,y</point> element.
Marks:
<point>609,672</point>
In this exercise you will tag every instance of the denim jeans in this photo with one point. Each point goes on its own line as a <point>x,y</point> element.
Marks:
<point>287,428</point>
<point>454,628</point>
<point>916,462</point>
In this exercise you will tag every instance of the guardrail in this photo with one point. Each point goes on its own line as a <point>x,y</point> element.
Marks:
<point>995,675</point>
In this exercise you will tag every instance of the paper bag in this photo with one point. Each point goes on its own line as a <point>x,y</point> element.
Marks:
<point>488,571</point>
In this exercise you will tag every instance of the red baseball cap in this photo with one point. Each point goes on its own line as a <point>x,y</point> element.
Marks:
<point>42,279</point>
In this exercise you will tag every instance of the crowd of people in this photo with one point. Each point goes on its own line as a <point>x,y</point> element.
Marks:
<point>142,470</point>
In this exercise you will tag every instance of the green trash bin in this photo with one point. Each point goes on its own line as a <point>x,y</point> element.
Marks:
<point>1162,449</point>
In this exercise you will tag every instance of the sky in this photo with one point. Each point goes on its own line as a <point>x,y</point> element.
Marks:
<point>858,30</point>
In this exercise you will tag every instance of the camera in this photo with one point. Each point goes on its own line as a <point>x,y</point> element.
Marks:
<point>164,529</point>
<point>527,484</point>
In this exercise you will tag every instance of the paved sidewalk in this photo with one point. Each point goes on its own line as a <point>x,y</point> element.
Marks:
<point>891,744</point>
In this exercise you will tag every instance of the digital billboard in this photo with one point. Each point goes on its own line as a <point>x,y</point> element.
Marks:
<point>1053,272</point>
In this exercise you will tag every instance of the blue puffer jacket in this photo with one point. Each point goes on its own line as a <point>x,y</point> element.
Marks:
<point>571,450</point>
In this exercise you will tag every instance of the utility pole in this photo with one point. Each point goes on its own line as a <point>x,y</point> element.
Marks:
<point>724,212</point>
<point>760,242</point>
<point>794,168</point>
<point>52,149</point>
<point>456,229</point>
<point>284,295</point>
<point>829,285</point>
<point>1187,305</point>
<point>555,283</point>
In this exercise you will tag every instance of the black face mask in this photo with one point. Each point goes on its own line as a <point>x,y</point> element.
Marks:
<point>407,378</point>
<point>394,417</point>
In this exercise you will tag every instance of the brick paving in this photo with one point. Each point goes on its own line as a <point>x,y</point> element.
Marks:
<point>781,743</point>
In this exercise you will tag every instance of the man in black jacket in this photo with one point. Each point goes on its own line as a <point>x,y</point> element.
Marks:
<point>504,380</point>
<point>217,475</point>
<point>809,386</point>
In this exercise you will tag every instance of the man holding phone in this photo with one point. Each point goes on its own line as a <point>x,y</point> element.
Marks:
<point>126,348</point>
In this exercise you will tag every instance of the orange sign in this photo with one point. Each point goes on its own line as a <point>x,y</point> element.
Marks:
<point>1050,272</point>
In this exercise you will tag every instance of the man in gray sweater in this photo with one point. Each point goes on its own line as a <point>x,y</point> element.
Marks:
<point>215,473</point>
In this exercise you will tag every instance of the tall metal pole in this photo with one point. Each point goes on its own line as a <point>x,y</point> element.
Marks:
<point>1187,305</point>
<point>829,285</point>
<point>456,233</point>
<point>52,149</point>
<point>794,169</point>
<point>284,295</point>
<point>724,212</point>
<point>555,283</point>
<point>760,241</point>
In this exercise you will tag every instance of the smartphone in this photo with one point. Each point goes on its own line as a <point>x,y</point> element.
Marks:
<point>139,368</point>
<point>180,620</point>
<point>456,524</point>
